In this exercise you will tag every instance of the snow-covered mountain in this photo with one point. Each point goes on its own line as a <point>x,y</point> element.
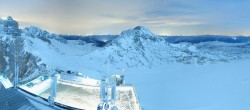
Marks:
<point>140,47</point>
<point>134,48</point>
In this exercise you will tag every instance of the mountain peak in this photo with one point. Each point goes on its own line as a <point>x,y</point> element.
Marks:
<point>33,28</point>
<point>141,28</point>
<point>36,31</point>
<point>138,32</point>
<point>138,37</point>
<point>10,18</point>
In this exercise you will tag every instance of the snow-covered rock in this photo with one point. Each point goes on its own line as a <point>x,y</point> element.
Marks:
<point>36,32</point>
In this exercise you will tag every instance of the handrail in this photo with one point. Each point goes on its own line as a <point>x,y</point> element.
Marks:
<point>138,101</point>
<point>59,105</point>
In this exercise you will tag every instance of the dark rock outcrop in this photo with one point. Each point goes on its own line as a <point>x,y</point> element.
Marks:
<point>9,26</point>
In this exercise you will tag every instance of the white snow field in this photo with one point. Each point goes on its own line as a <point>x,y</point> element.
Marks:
<point>220,86</point>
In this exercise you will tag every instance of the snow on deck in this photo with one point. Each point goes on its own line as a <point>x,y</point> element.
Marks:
<point>37,86</point>
<point>5,81</point>
<point>87,97</point>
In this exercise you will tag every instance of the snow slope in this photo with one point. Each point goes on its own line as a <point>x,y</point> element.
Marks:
<point>220,86</point>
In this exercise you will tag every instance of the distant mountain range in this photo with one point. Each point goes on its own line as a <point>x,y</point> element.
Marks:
<point>101,40</point>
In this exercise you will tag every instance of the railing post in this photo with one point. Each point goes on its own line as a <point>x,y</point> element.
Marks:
<point>16,81</point>
<point>107,99</point>
<point>53,89</point>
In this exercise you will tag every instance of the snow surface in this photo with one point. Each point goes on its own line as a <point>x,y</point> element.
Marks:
<point>5,81</point>
<point>87,97</point>
<point>38,86</point>
<point>220,86</point>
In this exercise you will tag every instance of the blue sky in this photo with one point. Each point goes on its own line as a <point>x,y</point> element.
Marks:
<point>169,17</point>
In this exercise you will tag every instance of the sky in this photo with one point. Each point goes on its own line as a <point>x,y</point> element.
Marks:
<point>162,17</point>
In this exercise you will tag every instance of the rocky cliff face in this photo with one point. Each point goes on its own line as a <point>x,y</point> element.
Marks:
<point>12,51</point>
<point>9,27</point>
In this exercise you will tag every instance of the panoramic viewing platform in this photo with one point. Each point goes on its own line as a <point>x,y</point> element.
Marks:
<point>43,93</point>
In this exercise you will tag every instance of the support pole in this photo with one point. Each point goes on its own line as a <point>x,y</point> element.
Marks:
<point>53,89</point>
<point>108,98</point>
<point>16,82</point>
<point>16,73</point>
